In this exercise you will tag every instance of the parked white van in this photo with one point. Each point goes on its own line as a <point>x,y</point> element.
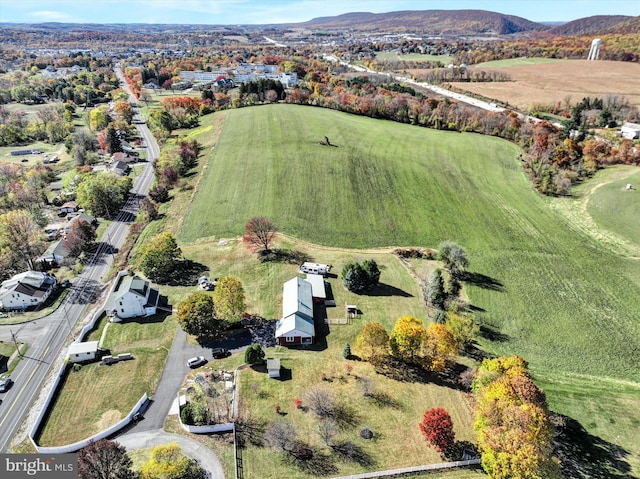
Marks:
<point>315,268</point>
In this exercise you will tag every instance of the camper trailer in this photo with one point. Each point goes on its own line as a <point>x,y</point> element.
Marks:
<point>315,268</point>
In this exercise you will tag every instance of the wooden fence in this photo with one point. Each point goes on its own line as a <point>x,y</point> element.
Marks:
<point>414,469</point>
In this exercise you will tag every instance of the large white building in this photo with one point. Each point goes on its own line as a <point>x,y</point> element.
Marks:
<point>296,325</point>
<point>131,296</point>
<point>25,290</point>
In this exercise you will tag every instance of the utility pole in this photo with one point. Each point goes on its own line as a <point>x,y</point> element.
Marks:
<point>13,336</point>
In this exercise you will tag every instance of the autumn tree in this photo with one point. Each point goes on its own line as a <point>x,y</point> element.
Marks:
<point>158,257</point>
<point>105,459</point>
<point>168,462</point>
<point>259,233</point>
<point>512,422</point>
<point>103,194</point>
<point>463,328</point>
<point>98,118</point>
<point>196,315</point>
<point>438,346</point>
<point>437,429</point>
<point>372,342</point>
<point>406,338</point>
<point>228,298</point>
<point>80,238</point>
<point>124,110</point>
<point>20,239</point>
<point>149,209</point>
<point>159,194</point>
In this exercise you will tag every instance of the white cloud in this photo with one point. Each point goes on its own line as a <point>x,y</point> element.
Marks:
<point>52,16</point>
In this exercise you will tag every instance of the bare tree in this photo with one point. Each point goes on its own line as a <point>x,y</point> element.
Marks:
<point>368,386</point>
<point>259,233</point>
<point>281,435</point>
<point>328,430</point>
<point>322,400</point>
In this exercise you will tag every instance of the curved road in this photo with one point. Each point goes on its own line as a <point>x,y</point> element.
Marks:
<point>48,337</point>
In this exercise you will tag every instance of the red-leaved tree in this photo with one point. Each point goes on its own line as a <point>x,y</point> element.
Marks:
<point>437,428</point>
<point>259,233</point>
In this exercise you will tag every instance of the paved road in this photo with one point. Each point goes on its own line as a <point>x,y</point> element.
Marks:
<point>48,337</point>
<point>193,449</point>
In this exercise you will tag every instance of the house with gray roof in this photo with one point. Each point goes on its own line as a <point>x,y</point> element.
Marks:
<point>26,290</point>
<point>130,297</point>
<point>56,254</point>
<point>296,326</point>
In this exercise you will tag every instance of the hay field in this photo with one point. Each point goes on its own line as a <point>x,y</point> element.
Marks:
<point>548,83</point>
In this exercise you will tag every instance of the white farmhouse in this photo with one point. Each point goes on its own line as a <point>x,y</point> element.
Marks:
<point>25,290</point>
<point>131,296</point>
<point>296,326</point>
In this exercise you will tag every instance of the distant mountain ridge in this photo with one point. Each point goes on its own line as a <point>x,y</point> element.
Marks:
<point>436,22</point>
<point>587,25</point>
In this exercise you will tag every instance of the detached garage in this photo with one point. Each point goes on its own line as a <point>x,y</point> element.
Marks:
<point>81,352</point>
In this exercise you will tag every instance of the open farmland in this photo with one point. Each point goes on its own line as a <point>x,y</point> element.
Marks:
<point>549,83</point>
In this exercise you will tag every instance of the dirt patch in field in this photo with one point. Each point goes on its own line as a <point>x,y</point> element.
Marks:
<point>552,82</point>
<point>108,419</point>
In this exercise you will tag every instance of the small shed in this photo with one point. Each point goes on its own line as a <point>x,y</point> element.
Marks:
<point>273,368</point>
<point>351,310</point>
<point>80,352</point>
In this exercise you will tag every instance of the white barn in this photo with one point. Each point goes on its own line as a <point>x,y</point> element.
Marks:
<point>130,297</point>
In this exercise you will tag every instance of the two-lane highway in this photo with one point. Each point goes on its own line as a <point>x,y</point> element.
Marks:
<point>48,337</point>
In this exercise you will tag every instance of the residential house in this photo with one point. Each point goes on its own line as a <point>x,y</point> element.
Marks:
<point>26,290</point>
<point>81,216</point>
<point>82,352</point>
<point>131,296</point>
<point>296,325</point>
<point>56,254</point>
<point>120,168</point>
<point>124,156</point>
<point>69,207</point>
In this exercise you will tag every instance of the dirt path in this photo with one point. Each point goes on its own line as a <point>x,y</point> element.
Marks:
<point>576,213</point>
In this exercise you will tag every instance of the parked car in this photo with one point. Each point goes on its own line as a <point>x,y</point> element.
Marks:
<point>219,353</point>
<point>5,384</point>
<point>65,283</point>
<point>196,361</point>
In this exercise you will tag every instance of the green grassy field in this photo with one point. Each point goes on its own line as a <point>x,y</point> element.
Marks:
<point>616,209</point>
<point>514,62</point>
<point>415,57</point>
<point>551,289</point>
<point>97,397</point>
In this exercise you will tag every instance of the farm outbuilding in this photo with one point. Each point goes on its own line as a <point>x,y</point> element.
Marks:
<point>296,326</point>
<point>273,368</point>
<point>81,352</point>
<point>318,289</point>
<point>630,131</point>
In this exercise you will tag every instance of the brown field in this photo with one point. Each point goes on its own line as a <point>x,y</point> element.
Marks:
<point>552,82</point>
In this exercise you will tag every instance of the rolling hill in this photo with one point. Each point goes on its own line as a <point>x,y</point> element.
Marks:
<point>587,25</point>
<point>436,22</point>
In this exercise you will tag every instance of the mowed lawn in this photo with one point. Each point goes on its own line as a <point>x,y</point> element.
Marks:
<point>97,397</point>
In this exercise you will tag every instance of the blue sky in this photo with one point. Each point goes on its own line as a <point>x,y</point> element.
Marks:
<point>284,11</point>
